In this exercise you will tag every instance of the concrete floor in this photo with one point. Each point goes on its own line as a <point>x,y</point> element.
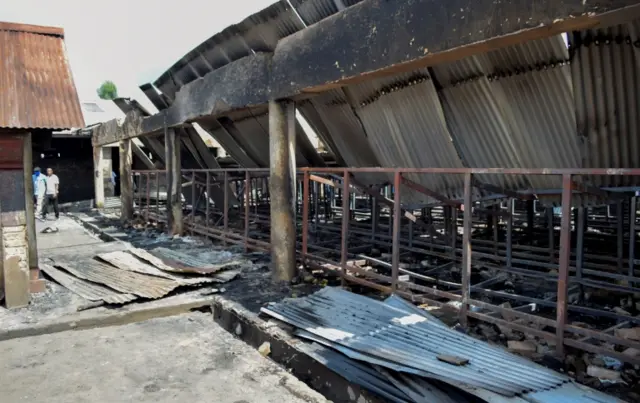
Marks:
<point>186,358</point>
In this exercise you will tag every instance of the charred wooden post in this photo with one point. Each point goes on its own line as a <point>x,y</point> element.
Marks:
<point>98,177</point>
<point>281,185</point>
<point>174,181</point>
<point>126,181</point>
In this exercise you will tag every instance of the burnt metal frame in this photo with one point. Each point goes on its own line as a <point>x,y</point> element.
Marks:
<point>348,271</point>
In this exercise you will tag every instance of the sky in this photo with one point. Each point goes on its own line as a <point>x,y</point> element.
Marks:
<point>129,42</point>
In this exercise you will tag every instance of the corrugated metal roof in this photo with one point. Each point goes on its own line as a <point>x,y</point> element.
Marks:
<point>36,85</point>
<point>127,261</point>
<point>605,69</point>
<point>192,263</point>
<point>120,280</point>
<point>86,289</point>
<point>411,343</point>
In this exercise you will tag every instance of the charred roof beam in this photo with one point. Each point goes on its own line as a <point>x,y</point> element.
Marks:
<point>371,39</point>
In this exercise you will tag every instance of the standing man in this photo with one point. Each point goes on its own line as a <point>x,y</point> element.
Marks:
<point>40,189</point>
<point>51,196</point>
<point>34,178</point>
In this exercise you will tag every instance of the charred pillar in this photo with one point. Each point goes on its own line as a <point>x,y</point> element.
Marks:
<point>98,176</point>
<point>281,189</point>
<point>30,208</point>
<point>174,181</point>
<point>126,181</point>
<point>14,248</point>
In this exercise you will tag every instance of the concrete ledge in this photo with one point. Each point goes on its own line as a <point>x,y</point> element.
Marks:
<point>254,331</point>
<point>82,322</point>
<point>87,224</point>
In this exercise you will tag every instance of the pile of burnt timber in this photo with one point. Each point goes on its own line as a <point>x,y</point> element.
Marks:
<point>124,276</point>
<point>405,354</point>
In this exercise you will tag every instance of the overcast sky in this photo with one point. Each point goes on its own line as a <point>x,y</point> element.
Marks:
<point>130,42</point>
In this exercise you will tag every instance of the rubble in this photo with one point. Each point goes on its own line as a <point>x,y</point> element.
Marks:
<point>629,333</point>
<point>603,373</point>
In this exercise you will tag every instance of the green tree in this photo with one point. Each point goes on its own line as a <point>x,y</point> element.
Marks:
<point>108,90</point>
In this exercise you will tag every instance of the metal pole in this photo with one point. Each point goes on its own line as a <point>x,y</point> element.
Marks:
<point>510,234</point>
<point>148,204</point>
<point>395,243</point>
<point>345,226</point>
<point>632,234</point>
<point>565,255</point>
<point>550,234</point>
<point>466,250</point>
<point>225,212</point>
<point>580,247</point>
<point>193,202</point>
<point>247,190</point>
<point>620,234</point>
<point>305,214</point>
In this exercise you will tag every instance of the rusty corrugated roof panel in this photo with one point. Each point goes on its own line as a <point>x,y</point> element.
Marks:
<point>36,85</point>
<point>87,289</point>
<point>121,280</point>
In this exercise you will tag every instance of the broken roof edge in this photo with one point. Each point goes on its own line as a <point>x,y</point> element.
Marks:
<point>32,29</point>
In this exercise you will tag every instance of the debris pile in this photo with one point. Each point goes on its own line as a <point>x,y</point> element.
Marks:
<point>123,276</point>
<point>405,354</point>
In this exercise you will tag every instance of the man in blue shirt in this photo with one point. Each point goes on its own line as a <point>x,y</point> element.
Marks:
<point>34,178</point>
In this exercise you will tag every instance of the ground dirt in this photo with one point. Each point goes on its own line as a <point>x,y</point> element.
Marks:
<point>186,358</point>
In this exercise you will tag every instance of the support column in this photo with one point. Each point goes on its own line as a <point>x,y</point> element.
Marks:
<point>126,181</point>
<point>98,177</point>
<point>281,185</point>
<point>174,181</point>
<point>530,216</point>
<point>30,208</point>
<point>36,284</point>
<point>14,246</point>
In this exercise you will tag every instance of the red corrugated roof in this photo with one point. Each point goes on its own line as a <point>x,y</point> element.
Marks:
<point>36,85</point>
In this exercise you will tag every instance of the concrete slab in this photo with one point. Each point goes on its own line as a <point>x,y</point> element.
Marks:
<point>186,358</point>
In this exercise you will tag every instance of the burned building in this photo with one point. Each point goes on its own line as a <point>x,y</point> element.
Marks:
<point>484,155</point>
<point>37,97</point>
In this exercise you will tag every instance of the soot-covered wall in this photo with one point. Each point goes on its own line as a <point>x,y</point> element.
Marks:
<point>71,159</point>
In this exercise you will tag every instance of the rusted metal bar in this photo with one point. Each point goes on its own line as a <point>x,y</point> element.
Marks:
<point>488,171</point>
<point>225,212</point>
<point>305,214</point>
<point>344,249</point>
<point>510,235</point>
<point>550,235</point>
<point>580,248</point>
<point>433,194</point>
<point>563,272</point>
<point>194,202</point>
<point>620,234</point>
<point>158,193</point>
<point>395,243</point>
<point>632,234</point>
<point>148,204</point>
<point>466,250</point>
<point>247,194</point>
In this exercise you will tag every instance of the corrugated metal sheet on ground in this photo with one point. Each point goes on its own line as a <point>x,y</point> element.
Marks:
<point>86,289</point>
<point>37,88</point>
<point>190,262</point>
<point>119,279</point>
<point>128,261</point>
<point>411,343</point>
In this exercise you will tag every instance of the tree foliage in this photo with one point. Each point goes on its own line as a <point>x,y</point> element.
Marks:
<point>108,90</point>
